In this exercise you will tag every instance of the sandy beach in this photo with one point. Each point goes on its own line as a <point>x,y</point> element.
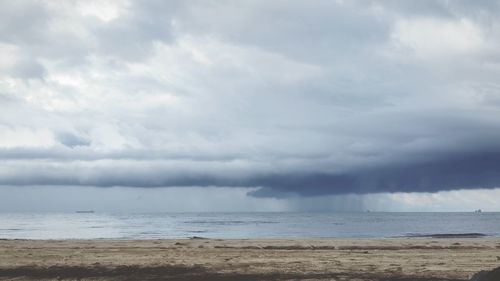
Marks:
<point>276,259</point>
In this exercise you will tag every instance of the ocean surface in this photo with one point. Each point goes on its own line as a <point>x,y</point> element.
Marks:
<point>242,225</point>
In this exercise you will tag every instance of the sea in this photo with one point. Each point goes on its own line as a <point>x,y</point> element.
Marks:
<point>245,225</point>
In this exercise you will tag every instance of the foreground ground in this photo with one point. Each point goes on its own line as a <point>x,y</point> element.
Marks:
<point>208,259</point>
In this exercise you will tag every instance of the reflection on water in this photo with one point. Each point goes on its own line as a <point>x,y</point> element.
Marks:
<point>242,225</point>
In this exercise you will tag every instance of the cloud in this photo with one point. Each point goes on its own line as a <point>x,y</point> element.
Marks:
<point>293,98</point>
<point>439,38</point>
<point>72,141</point>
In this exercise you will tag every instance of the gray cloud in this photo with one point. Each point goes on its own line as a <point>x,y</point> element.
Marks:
<point>71,141</point>
<point>441,172</point>
<point>292,98</point>
<point>14,27</point>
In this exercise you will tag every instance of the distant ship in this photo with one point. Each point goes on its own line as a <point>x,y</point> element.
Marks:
<point>478,211</point>
<point>85,212</point>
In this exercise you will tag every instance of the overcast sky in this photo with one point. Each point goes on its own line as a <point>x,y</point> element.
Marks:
<point>249,105</point>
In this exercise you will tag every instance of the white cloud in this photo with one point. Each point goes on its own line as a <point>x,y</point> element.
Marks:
<point>8,56</point>
<point>104,10</point>
<point>435,38</point>
<point>445,201</point>
<point>11,137</point>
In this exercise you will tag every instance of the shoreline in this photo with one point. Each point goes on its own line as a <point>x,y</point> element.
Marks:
<point>466,235</point>
<point>361,259</point>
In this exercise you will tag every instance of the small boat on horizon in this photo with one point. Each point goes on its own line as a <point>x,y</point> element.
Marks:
<point>85,212</point>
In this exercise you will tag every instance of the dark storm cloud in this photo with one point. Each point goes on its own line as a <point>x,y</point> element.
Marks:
<point>441,172</point>
<point>449,172</point>
<point>329,97</point>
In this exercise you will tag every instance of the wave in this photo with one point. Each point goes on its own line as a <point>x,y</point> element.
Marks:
<point>228,222</point>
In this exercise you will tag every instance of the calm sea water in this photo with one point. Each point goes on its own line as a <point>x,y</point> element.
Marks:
<point>241,225</point>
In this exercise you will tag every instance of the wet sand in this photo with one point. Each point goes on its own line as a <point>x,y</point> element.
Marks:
<point>274,259</point>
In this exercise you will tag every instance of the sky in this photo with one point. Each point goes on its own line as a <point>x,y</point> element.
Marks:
<point>249,105</point>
